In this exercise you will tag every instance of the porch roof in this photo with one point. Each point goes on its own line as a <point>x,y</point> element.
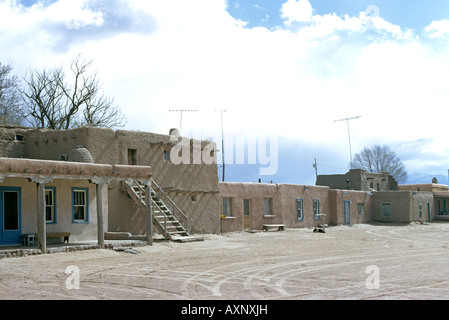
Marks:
<point>441,194</point>
<point>46,169</point>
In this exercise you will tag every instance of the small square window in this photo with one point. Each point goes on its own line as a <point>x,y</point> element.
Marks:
<point>386,210</point>
<point>268,207</point>
<point>227,207</point>
<point>166,155</point>
<point>361,208</point>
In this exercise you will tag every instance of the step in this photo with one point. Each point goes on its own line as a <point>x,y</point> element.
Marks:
<point>187,239</point>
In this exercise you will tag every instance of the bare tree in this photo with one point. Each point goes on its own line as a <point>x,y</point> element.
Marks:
<point>381,159</point>
<point>10,98</point>
<point>55,102</point>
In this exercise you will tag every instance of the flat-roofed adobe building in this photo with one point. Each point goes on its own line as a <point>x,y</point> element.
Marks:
<point>250,206</point>
<point>62,200</point>
<point>188,191</point>
<point>358,179</point>
<point>439,210</point>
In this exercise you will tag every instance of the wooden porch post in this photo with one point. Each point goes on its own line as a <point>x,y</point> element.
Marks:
<point>149,212</point>
<point>100,215</point>
<point>41,221</point>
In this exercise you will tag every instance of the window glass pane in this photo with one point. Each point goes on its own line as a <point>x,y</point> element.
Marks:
<point>386,210</point>
<point>299,206</point>
<point>268,206</point>
<point>227,207</point>
<point>246,207</point>
<point>80,205</point>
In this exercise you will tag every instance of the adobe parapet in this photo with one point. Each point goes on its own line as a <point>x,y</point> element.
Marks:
<point>30,168</point>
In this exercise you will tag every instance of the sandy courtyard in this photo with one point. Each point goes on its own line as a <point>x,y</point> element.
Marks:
<point>360,262</point>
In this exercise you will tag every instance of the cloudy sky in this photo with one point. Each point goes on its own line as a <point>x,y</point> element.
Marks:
<point>280,68</point>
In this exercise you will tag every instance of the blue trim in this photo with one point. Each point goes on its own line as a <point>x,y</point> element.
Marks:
<point>55,220</point>
<point>14,234</point>
<point>348,213</point>
<point>87,205</point>
<point>298,217</point>
<point>313,209</point>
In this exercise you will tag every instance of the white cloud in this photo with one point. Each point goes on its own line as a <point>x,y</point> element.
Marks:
<point>297,11</point>
<point>438,29</point>
<point>294,81</point>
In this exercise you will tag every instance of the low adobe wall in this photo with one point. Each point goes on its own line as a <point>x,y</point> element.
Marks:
<point>284,197</point>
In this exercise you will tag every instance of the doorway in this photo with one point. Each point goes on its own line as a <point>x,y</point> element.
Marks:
<point>10,216</point>
<point>247,214</point>
<point>347,213</point>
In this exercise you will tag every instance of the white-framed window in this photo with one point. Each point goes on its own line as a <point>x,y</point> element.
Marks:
<point>386,210</point>
<point>50,205</point>
<point>268,206</point>
<point>80,201</point>
<point>316,209</point>
<point>420,210</point>
<point>300,209</point>
<point>227,207</point>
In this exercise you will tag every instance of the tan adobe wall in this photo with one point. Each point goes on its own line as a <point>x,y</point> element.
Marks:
<point>337,203</point>
<point>405,205</point>
<point>430,187</point>
<point>284,204</point>
<point>13,142</point>
<point>79,231</point>
<point>112,147</point>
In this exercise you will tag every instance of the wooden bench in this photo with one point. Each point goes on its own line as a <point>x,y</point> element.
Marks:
<point>280,227</point>
<point>65,235</point>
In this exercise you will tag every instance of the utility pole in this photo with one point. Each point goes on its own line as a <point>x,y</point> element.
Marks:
<point>315,165</point>
<point>182,112</point>
<point>349,134</point>
<point>222,141</point>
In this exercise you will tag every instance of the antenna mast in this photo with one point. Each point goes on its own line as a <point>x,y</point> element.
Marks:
<point>182,112</point>
<point>349,134</point>
<point>222,142</point>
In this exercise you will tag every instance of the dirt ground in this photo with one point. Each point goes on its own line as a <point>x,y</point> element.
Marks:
<point>380,261</point>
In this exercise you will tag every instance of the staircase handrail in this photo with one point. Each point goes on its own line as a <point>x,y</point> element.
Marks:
<point>173,203</point>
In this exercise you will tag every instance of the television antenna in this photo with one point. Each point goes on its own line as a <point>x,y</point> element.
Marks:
<point>222,141</point>
<point>349,133</point>
<point>182,112</point>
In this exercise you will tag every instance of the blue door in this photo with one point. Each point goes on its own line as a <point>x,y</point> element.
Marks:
<point>10,217</point>
<point>347,213</point>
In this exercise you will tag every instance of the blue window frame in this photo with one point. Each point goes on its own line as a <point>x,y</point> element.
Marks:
<point>50,205</point>
<point>300,209</point>
<point>80,205</point>
<point>386,210</point>
<point>10,215</point>
<point>316,209</point>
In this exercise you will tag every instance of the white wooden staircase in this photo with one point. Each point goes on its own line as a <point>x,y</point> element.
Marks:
<point>166,214</point>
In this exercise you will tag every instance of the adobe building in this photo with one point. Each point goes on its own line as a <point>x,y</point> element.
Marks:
<point>189,190</point>
<point>99,182</point>
<point>402,206</point>
<point>250,206</point>
<point>358,179</point>
<point>440,194</point>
